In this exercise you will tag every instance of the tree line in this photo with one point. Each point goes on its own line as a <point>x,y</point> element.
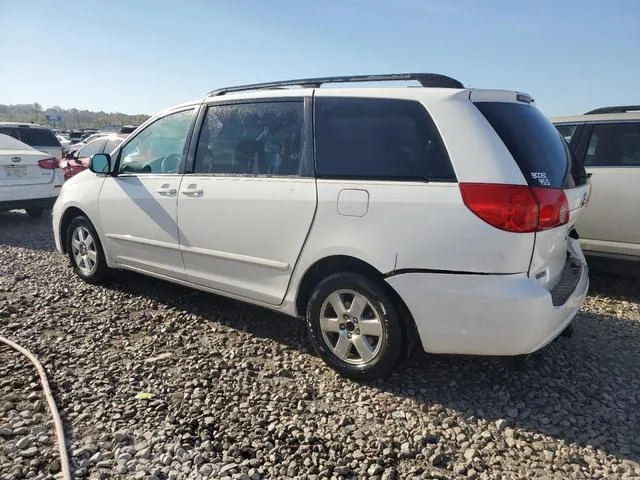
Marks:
<point>70,118</point>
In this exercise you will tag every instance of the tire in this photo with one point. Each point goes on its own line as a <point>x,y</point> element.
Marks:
<point>81,230</point>
<point>337,333</point>
<point>36,212</point>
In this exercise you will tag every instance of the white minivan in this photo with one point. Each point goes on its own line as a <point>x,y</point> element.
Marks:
<point>607,142</point>
<point>439,215</point>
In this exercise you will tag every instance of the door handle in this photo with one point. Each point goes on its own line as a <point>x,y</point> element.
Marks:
<point>193,190</point>
<point>166,190</point>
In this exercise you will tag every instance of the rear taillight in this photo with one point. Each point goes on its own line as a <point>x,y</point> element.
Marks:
<point>516,208</point>
<point>553,205</point>
<point>48,163</point>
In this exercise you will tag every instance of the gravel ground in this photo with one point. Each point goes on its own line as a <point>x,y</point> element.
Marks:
<point>235,392</point>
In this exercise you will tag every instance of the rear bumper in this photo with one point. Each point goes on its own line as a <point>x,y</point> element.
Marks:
<point>488,314</point>
<point>27,203</point>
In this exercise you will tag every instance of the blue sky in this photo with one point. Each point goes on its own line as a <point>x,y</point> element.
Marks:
<point>141,56</point>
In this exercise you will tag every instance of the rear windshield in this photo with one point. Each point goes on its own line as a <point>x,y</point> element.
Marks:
<point>537,147</point>
<point>34,137</point>
<point>39,137</point>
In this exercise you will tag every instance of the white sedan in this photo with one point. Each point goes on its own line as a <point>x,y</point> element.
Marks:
<point>77,146</point>
<point>29,179</point>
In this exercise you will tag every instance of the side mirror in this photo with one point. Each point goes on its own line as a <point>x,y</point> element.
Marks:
<point>69,155</point>
<point>100,163</point>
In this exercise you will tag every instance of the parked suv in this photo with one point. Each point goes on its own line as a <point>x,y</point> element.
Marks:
<point>29,179</point>
<point>384,216</point>
<point>37,136</point>
<point>607,142</point>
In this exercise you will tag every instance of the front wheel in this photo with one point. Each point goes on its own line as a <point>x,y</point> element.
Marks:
<point>354,326</point>
<point>85,251</point>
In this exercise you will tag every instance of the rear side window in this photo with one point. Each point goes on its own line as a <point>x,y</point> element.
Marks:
<point>262,138</point>
<point>614,145</point>
<point>535,144</point>
<point>38,137</point>
<point>378,139</point>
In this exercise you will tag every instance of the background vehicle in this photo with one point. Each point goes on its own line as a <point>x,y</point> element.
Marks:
<point>37,136</point>
<point>77,161</point>
<point>65,143</point>
<point>75,136</point>
<point>29,179</point>
<point>90,138</point>
<point>127,129</point>
<point>440,215</point>
<point>607,142</point>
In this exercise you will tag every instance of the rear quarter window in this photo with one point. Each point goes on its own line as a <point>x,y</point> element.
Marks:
<point>373,138</point>
<point>535,144</point>
<point>567,131</point>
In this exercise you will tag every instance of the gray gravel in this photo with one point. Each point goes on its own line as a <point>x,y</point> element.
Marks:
<point>235,393</point>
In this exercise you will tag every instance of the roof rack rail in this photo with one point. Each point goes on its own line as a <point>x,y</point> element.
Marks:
<point>616,109</point>
<point>434,80</point>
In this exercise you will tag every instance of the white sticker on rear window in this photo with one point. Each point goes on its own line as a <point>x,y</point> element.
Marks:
<point>541,177</point>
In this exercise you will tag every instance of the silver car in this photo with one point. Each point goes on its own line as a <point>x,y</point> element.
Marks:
<point>607,142</point>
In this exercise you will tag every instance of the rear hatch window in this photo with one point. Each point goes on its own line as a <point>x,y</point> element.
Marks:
<point>537,147</point>
<point>34,137</point>
<point>545,159</point>
<point>38,137</point>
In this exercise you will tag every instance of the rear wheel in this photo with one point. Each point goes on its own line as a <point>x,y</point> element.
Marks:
<point>354,326</point>
<point>85,251</point>
<point>36,212</point>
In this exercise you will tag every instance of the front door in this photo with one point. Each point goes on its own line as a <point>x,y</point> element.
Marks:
<point>245,211</point>
<point>138,205</point>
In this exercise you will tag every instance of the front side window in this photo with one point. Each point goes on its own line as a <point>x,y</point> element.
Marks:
<point>614,145</point>
<point>262,138</point>
<point>159,148</point>
<point>92,148</point>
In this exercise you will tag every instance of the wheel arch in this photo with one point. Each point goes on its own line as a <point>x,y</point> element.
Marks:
<point>68,215</point>
<point>344,263</point>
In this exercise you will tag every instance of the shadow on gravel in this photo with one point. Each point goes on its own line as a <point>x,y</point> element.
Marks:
<point>583,390</point>
<point>611,278</point>
<point>17,229</point>
<point>256,321</point>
